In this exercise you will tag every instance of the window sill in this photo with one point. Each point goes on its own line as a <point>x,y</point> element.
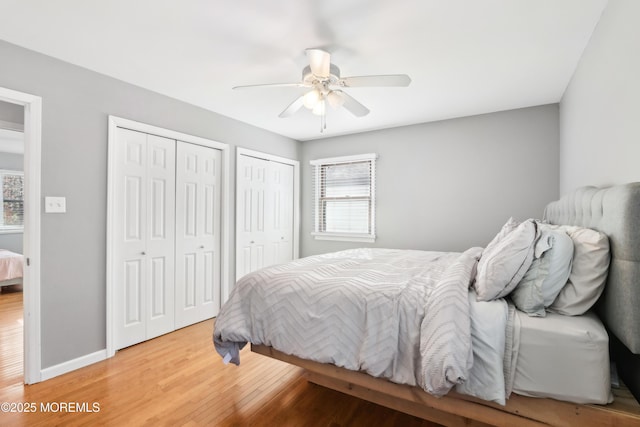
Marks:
<point>12,230</point>
<point>345,237</point>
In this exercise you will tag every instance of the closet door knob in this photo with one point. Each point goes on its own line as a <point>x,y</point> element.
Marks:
<point>202,247</point>
<point>143,253</point>
<point>252,242</point>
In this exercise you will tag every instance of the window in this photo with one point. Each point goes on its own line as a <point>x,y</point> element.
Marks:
<point>344,198</point>
<point>12,206</point>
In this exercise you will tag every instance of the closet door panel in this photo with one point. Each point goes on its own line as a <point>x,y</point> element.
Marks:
<point>133,206</point>
<point>160,247</point>
<point>133,283</point>
<point>188,260</point>
<point>131,234</point>
<point>198,233</point>
<point>280,233</point>
<point>159,288</point>
<point>210,243</point>
<point>145,234</point>
<point>210,232</point>
<point>252,207</point>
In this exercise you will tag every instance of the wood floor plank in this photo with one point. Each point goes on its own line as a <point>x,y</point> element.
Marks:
<point>11,363</point>
<point>178,380</point>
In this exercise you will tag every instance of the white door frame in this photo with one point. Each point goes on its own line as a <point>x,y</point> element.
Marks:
<point>114,123</point>
<point>31,281</point>
<point>296,198</point>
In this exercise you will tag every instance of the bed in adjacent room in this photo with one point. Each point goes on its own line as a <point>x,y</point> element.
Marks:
<point>516,333</point>
<point>11,268</point>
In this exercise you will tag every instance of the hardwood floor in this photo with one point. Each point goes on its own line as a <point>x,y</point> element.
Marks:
<point>179,380</point>
<point>11,347</point>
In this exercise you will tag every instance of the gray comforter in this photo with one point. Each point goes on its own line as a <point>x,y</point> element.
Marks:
<point>398,314</point>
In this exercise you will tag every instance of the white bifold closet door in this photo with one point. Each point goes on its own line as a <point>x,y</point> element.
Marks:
<point>145,235</point>
<point>264,217</point>
<point>197,233</point>
<point>167,245</point>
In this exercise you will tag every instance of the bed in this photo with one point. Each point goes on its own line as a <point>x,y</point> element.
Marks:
<point>11,268</point>
<point>482,363</point>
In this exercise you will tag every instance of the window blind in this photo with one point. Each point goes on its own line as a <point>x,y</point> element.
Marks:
<point>344,191</point>
<point>12,206</point>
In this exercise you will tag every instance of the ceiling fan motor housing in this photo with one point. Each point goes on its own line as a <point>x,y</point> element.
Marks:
<point>332,79</point>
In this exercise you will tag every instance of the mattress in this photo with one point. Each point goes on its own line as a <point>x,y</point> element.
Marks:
<point>11,265</point>
<point>563,357</point>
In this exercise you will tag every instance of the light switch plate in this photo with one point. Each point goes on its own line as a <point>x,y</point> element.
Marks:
<point>55,204</point>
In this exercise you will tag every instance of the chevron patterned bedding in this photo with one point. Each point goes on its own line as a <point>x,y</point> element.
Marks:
<point>403,315</point>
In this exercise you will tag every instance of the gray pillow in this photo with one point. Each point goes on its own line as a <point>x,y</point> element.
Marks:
<point>560,264</point>
<point>505,260</point>
<point>548,273</point>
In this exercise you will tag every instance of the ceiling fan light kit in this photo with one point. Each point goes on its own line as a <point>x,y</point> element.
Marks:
<point>335,98</point>
<point>311,98</point>
<point>322,77</point>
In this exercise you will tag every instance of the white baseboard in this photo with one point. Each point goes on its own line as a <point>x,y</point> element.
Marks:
<point>72,365</point>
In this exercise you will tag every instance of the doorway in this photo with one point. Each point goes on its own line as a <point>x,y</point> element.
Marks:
<point>11,243</point>
<point>29,107</point>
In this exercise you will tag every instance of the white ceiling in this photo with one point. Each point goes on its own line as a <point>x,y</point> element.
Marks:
<point>464,57</point>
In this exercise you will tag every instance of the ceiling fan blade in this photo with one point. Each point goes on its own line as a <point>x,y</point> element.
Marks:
<point>293,107</point>
<point>388,80</point>
<point>353,106</point>
<point>273,85</point>
<point>319,61</point>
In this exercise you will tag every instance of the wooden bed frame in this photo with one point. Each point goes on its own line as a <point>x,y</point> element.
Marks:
<point>456,409</point>
<point>614,211</point>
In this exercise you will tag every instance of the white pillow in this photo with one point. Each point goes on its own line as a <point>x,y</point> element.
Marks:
<point>505,260</point>
<point>588,271</point>
<point>548,273</point>
<point>507,228</point>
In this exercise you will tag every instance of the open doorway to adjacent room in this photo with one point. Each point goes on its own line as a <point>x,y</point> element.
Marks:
<point>20,345</point>
<point>11,244</point>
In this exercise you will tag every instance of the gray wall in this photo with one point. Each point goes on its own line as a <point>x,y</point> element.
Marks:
<point>599,112</point>
<point>12,242</point>
<point>448,185</point>
<point>11,113</point>
<point>11,161</point>
<point>15,162</point>
<point>76,103</point>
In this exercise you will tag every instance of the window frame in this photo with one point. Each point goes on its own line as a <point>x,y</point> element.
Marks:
<point>317,198</point>
<point>10,229</point>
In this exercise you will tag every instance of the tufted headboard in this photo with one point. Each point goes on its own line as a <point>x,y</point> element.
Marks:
<point>616,212</point>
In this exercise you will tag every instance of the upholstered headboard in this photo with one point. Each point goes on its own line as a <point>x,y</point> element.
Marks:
<point>616,212</point>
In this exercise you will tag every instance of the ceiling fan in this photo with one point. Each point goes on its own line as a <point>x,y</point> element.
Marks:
<point>325,83</point>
